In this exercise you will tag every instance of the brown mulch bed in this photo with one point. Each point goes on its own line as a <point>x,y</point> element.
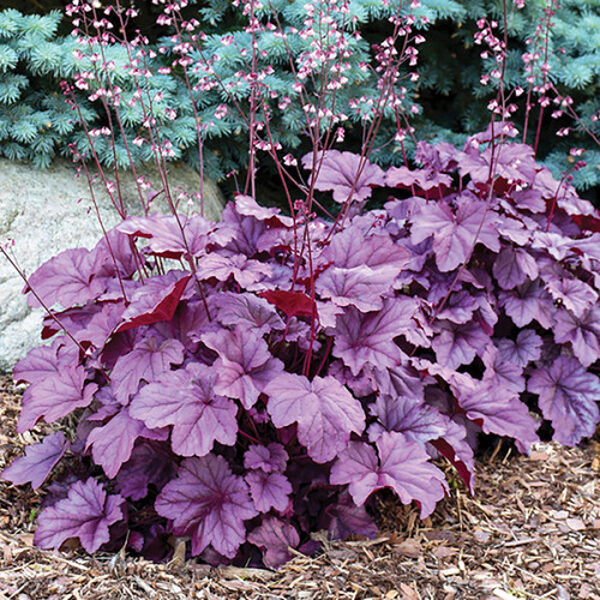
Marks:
<point>531,531</point>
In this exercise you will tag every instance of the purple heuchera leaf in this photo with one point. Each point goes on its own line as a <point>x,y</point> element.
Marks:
<point>459,307</point>
<point>325,411</point>
<point>530,199</point>
<point>556,244</point>
<point>244,233</point>
<point>527,302</point>
<point>501,372</point>
<point>424,179</point>
<point>361,287</point>
<point>409,416</point>
<point>149,464</point>
<point>74,319</point>
<point>245,271</point>
<point>93,323</point>
<point>249,312</point>
<point>400,380</point>
<point>583,333</point>
<point>210,504</point>
<point>512,162</point>
<point>155,301</point>
<point>247,206</point>
<point>352,248</point>
<point>46,360</point>
<point>165,233</point>
<point>271,458</point>
<point>339,172</point>
<point>568,396</point>
<point>101,325</point>
<point>456,448</point>
<point>69,279</point>
<point>190,320</point>
<point>454,235</point>
<point>526,348</point>
<point>361,385</point>
<point>442,156</point>
<point>498,410</point>
<point>244,365</point>
<point>116,247</point>
<point>55,397</point>
<point>38,461</point>
<point>86,513</point>
<point>345,518</point>
<point>149,358</point>
<point>513,266</point>
<point>269,490</point>
<point>274,537</point>
<point>369,338</point>
<point>187,399</point>
<point>459,344</point>
<point>575,295</point>
<point>403,466</point>
<point>113,442</point>
<point>293,304</point>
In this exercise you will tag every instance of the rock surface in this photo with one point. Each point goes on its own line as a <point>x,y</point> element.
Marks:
<point>47,211</point>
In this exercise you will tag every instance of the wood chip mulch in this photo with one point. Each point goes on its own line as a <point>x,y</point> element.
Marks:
<point>531,531</point>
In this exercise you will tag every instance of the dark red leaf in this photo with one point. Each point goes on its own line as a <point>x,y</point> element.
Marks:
<point>587,222</point>
<point>155,301</point>
<point>293,304</point>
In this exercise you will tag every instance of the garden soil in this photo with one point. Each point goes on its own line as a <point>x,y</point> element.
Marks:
<point>532,531</point>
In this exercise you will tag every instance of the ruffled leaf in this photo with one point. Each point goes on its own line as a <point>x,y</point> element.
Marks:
<point>187,400</point>
<point>455,235</point>
<point>86,513</point>
<point>403,466</point>
<point>274,537</point>
<point>55,397</point>
<point>582,333</point>
<point>325,411</point>
<point>526,348</point>
<point>245,271</point>
<point>170,236</point>
<point>208,503</point>
<point>409,416</point>
<point>361,287</point>
<point>568,396</point>
<point>69,279</point>
<point>498,410</point>
<point>38,462</point>
<point>113,442</point>
<point>348,175</point>
<point>369,338</point>
<point>148,359</point>
<point>292,304</point>
<point>269,490</point>
<point>270,459</point>
<point>513,266</point>
<point>249,312</point>
<point>244,366</point>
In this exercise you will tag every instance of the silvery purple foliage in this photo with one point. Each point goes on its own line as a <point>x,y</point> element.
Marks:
<point>249,398</point>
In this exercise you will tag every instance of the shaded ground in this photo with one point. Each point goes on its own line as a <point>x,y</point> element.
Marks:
<point>532,531</point>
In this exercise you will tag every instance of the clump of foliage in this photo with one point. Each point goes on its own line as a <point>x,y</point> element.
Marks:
<point>248,382</point>
<point>259,392</point>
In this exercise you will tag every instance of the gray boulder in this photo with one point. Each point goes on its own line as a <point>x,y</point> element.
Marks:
<point>48,211</point>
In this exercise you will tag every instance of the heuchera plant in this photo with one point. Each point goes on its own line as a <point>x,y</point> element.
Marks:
<point>232,398</point>
<point>243,384</point>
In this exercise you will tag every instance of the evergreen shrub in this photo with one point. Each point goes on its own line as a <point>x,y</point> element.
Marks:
<point>445,103</point>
